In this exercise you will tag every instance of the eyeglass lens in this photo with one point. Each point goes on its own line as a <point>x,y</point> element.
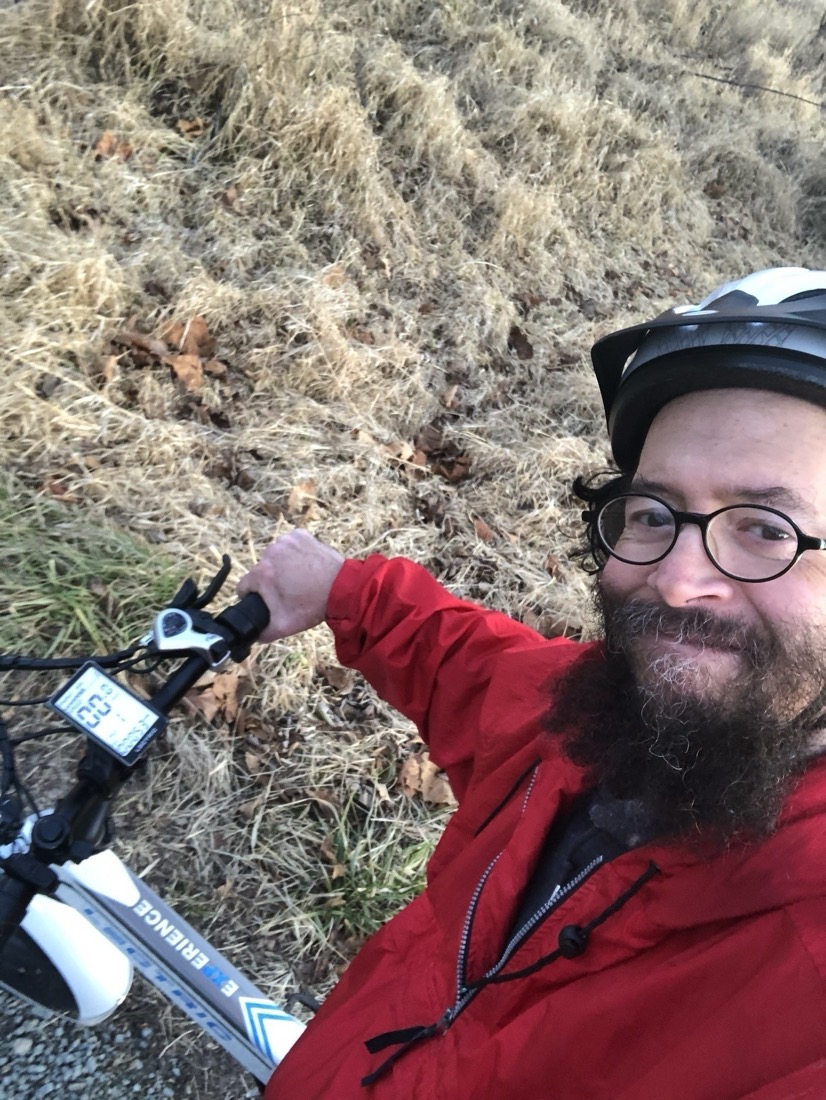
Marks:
<point>749,542</point>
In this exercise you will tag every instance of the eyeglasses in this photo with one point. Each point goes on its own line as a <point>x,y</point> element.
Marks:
<point>746,542</point>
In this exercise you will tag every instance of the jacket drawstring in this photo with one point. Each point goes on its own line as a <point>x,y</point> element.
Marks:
<point>572,941</point>
<point>573,938</point>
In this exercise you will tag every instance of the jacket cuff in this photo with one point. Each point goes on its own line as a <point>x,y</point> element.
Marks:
<point>344,604</point>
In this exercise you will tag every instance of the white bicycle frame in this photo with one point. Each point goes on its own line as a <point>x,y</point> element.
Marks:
<point>106,920</point>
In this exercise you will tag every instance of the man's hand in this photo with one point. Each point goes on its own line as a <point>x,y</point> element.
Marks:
<point>294,578</point>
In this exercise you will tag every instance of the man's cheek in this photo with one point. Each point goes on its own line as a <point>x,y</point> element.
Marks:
<point>618,579</point>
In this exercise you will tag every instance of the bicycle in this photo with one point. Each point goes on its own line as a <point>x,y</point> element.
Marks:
<point>74,920</point>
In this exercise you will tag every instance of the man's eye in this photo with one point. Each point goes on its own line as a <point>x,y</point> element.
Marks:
<point>768,532</point>
<point>650,518</point>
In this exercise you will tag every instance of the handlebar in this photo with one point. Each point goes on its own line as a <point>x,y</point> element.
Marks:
<point>244,621</point>
<point>78,823</point>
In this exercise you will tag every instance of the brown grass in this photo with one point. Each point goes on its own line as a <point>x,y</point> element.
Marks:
<point>378,194</point>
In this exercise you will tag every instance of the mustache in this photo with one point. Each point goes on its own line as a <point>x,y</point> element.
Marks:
<point>696,626</point>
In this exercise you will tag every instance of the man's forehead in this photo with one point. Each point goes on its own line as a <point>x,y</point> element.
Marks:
<point>752,446</point>
<point>772,496</point>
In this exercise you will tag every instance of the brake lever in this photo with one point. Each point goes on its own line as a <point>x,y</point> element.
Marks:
<point>216,584</point>
<point>187,595</point>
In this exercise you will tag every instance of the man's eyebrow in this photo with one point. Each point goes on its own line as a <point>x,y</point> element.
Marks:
<point>773,496</point>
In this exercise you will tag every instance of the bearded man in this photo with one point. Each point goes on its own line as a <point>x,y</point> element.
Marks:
<point>630,901</point>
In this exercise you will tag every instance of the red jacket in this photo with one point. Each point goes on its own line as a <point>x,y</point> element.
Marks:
<point>701,979</point>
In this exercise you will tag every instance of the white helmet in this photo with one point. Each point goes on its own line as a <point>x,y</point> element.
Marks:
<point>767,331</point>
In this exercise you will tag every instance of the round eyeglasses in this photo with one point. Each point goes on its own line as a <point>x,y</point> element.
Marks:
<point>744,541</point>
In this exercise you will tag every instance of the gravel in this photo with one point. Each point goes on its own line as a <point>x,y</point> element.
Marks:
<point>145,1049</point>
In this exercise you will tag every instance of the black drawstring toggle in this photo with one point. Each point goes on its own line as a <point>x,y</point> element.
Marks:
<point>572,941</point>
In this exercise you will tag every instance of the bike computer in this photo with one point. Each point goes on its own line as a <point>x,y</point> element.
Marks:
<point>108,712</point>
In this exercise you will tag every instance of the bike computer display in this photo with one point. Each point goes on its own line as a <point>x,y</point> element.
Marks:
<point>108,712</point>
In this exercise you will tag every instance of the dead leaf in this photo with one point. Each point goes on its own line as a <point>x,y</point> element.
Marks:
<point>206,703</point>
<point>419,775</point>
<point>302,500</point>
<point>482,530</point>
<point>362,334</point>
<point>196,339</point>
<point>59,490</point>
<point>216,368</point>
<point>450,398</point>
<point>399,450</point>
<point>220,694</point>
<point>191,337</point>
<point>255,763</point>
<point>231,198</point>
<point>519,342</point>
<point>110,146</point>
<point>453,470</point>
<point>250,809</point>
<point>342,679</point>
<point>334,276</point>
<point>109,370</point>
<point>410,776</point>
<point>131,338</point>
<point>553,567</point>
<point>188,370</point>
<point>435,787</point>
<point>429,439</point>
<point>192,127</point>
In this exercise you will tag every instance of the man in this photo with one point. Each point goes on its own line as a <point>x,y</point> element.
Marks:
<point>630,901</point>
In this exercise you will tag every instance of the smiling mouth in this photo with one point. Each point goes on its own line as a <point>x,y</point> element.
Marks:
<point>694,641</point>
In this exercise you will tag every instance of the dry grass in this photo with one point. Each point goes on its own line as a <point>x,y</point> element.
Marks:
<point>372,198</point>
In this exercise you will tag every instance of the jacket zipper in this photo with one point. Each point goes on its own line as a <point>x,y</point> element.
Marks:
<point>474,901</point>
<point>471,911</point>
<point>407,1037</point>
<point>464,995</point>
<point>557,897</point>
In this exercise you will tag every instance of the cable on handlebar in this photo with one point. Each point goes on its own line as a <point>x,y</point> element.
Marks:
<point>12,662</point>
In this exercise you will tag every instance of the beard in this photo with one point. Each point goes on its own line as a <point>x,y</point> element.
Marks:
<point>707,757</point>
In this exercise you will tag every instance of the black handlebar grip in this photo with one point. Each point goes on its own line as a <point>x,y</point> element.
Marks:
<point>246,620</point>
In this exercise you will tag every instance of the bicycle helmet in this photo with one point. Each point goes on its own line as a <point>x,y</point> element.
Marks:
<point>766,331</point>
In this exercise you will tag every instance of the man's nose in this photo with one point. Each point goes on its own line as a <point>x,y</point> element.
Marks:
<point>687,575</point>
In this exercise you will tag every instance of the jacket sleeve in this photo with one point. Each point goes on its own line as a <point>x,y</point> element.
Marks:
<point>428,654</point>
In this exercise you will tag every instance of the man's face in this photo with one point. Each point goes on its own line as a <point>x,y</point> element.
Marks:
<point>704,451</point>
<point>709,694</point>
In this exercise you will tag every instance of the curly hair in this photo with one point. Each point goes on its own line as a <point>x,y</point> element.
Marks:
<point>595,490</point>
